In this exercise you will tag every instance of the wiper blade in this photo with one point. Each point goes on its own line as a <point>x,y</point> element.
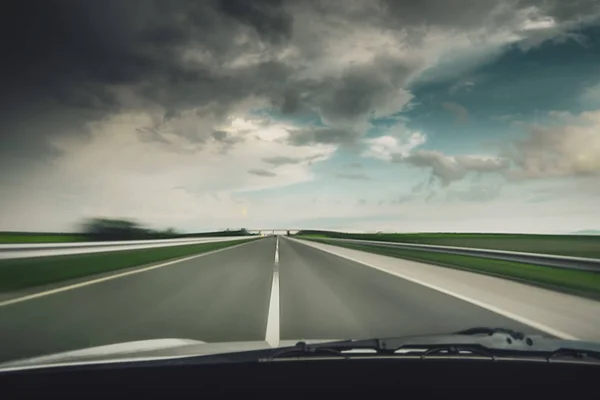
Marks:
<point>492,343</point>
<point>302,349</point>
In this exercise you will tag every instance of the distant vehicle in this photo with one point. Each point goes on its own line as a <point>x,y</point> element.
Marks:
<point>473,358</point>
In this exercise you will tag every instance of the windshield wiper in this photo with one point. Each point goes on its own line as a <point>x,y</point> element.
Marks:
<point>490,343</point>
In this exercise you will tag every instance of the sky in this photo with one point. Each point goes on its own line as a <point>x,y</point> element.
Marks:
<point>362,115</point>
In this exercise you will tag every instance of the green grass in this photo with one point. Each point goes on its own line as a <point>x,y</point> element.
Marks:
<point>576,282</point>
<point>25,237</point>
<point>51,237</point>
<point>568,245</point>
<point>24,273</point>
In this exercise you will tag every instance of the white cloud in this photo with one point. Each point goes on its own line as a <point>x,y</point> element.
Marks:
<point>567,145</point>
<point>570,148</point>
<point>385,147</point>
<point>185,180</point>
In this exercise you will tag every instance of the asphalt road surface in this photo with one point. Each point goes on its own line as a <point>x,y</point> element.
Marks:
<point>226,296</point>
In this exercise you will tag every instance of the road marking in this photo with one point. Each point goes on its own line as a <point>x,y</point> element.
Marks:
<point>498,310</point>
<point>272,334</point>
<point>108,278</point>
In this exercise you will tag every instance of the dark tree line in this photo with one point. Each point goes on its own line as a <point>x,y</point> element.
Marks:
<point>123,229</point>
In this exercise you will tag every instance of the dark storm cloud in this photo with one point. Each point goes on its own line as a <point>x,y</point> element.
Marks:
<point>453,14</point>
<point>66,63</point>
<point>568,10</point>
<point>268,18</point>
<point>465,13</point>
<point>69,57</point>
<point>352,96</point>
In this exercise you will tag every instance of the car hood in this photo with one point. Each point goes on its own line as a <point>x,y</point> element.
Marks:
<point>144,350</point>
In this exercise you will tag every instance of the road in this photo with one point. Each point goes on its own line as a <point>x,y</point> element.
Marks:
<point>226,296</point>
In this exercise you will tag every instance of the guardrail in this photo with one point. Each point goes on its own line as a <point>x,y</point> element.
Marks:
<point>548,260</point>
<point>27,250</point>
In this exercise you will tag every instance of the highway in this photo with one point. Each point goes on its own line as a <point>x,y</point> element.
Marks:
<point>227,296</point>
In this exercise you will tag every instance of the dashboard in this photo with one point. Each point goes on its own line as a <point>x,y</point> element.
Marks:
<point>305,377</point>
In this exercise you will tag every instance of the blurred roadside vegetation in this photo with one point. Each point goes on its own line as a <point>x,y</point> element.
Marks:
<point>110,229</point>
<point>566,245</point>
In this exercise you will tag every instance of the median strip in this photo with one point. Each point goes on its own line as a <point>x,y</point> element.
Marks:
<point>17,274</point>
<point>580,283</point>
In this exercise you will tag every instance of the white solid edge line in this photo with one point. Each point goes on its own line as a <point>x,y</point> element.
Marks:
<point>482,304</point>
<point>93,281</point>
<point>272,332</point>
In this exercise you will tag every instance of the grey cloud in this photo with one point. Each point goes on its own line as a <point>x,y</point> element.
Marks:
<point>226,138</point>
<point>268,18</point>
<point>151,134</point>
<point>262,172</point>
<point>556,151</point>
<point>75,59</point>
<point>219,135</point>
<point>448,169</point>
<point>456,15</point>
<point>361,91</point>
<point>355,165</point>
<point>483,165</point>
<point>567,11</point>
<point>352,176</point>
<point>282,160</point>
<point>571,148</point>
<point>452,13</point>
<point>70,63</point>
<point>468,13</point>
<point>308,136</point>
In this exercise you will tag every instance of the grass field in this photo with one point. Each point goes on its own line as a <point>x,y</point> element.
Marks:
<point>24,273</point>
<point>34,237</point>
<point>582,283</point>
<point>50,237</point>
<point>568,245</point>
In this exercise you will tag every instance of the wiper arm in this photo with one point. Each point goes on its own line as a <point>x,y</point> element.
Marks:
<point>491,331</point>
<point>301,349</point>
<point>481,341</point>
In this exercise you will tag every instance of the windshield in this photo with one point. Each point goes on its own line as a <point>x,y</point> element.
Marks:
<point>259,173</point>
